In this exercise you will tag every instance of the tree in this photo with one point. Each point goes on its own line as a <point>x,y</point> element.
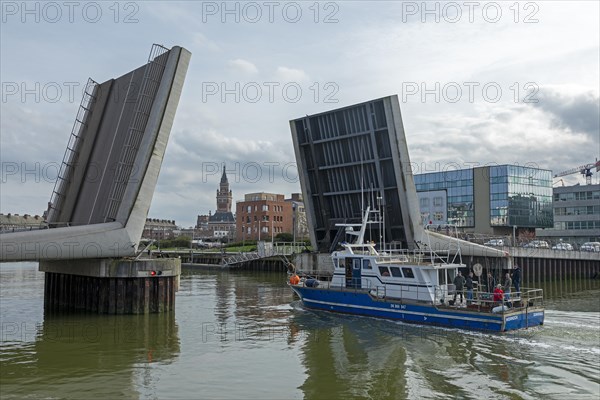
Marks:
<point>284,237</point>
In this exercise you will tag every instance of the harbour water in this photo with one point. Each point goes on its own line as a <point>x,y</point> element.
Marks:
<point>243,335</point>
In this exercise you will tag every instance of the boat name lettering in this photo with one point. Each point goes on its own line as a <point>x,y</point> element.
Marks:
<point>512,318</point>
<point>400,306</point>
<point>538,314</point>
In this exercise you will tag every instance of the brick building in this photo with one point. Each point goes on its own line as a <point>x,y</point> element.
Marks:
<point>261,216</point>
<point>159,229</point>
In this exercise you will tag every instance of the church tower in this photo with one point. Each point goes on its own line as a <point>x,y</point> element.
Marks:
<point>224,195</point>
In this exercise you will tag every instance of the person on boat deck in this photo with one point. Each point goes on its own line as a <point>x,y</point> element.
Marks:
<point>498,294</point>
<point>507,285</point>
<point>469,286</point>
<point>459,282</point>
<point>516,278</point>
<point>491,282</point>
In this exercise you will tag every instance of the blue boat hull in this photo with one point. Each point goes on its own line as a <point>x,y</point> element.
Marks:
<point>361,303</point>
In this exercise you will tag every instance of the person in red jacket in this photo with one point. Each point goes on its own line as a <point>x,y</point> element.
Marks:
<point>498,294</point>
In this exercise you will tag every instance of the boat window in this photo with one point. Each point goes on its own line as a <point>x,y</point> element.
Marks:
<point>356,263</point>
<point>384,271</point>
<point>396,272</point>
<point>367,264</point>
<point>408,272</point>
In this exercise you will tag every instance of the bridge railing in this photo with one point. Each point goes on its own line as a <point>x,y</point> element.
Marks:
<point>71,153</point>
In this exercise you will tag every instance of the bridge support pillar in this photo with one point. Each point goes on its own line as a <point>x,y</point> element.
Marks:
<point>111,286</point>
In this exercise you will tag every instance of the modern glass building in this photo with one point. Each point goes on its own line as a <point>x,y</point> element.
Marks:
<point>492,199</point>
<point>458,186</point>
<point>576,215</point>
<point>520,196</point>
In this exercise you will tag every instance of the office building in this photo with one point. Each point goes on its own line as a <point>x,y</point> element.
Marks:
<point>494,200</point>
<point>576,215</point>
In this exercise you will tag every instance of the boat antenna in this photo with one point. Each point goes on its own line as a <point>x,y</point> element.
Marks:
<point>379,222</point>
<point>383,217</point>
<point>362,183</point>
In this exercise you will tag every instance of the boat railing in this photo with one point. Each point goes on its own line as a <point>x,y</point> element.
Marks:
<point>417,256</point>
<point>484,301</point>
<point>401,256</point>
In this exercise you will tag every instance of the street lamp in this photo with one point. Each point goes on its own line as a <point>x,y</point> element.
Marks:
<point>294,205</point>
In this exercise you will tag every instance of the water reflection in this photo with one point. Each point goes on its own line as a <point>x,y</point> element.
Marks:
<point>78,354</point>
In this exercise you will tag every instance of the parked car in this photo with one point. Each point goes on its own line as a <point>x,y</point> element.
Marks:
<point>590,246</point>
<point>563,246</point>
<point>538,244</point>
<point>494,242</point>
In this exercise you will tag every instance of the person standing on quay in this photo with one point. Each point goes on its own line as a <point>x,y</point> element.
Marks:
<point>516,278</point>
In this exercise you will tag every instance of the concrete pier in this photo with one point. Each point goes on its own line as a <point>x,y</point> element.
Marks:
<point>111,286</point>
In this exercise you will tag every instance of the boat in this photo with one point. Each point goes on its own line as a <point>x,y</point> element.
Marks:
<point>413,286</point>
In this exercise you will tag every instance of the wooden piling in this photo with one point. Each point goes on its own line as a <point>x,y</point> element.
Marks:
<point>107,286</point>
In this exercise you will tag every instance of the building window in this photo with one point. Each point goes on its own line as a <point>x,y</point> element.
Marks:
<point>265,207</point>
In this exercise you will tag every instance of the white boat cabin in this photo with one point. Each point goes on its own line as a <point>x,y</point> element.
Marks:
<point>418,275</point>
<point>408,276</point>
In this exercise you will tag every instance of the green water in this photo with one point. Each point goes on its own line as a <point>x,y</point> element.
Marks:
<point>244,336</point>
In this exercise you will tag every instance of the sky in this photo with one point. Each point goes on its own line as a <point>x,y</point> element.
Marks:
<point>479,83</point>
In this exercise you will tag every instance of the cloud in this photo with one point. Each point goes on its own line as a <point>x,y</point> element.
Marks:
<point>200,40</point>
<point>244,66</point>
<point>577,112</point>
<point>494,134</point>
<point>285,74</point>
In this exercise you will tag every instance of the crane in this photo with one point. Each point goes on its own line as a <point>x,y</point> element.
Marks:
<point>585,170</point>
